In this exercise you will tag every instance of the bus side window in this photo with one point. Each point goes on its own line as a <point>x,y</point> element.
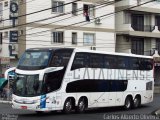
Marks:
<point>106,62</point>
<point>96,61</point>
<point>134,64</point>
<point>145,64</point>
<point>78,61</point>
<point>81,60</point>
<point>110,62</point>
<point>122,63</point>
<point>148,64</point>
<point>61,58</point>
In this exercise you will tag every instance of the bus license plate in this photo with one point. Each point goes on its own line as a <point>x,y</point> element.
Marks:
<point>23,107</point>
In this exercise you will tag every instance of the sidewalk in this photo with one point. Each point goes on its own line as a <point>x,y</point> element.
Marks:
<point>4,100</point>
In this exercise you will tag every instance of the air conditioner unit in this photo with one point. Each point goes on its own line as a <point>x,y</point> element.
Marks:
<point>98,21</point>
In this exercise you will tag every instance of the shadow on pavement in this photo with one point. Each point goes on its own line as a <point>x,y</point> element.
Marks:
<point>109,110</point>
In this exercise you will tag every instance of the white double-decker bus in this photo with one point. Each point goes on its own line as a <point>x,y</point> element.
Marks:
<point>49,79</point>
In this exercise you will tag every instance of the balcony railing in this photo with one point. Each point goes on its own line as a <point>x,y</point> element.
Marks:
<point>149,52</point>
<point>145,28</point>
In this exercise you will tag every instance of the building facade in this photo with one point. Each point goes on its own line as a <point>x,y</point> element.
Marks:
<point>137,25</point>
<point>55,23</point>
<point>127,26</point>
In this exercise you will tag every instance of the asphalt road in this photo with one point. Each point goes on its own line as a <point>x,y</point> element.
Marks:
<point>93,114</point>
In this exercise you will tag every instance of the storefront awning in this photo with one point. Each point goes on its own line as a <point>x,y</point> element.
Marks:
<point>3,82</point>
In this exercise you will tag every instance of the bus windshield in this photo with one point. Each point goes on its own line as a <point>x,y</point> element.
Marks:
<point>34,60</point>
<point>27,85</point>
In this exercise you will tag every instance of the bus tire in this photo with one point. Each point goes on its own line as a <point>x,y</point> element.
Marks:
<point>128,103</point>
<point>82,105</point>
<point>68,106</point>
<point>137,102</point>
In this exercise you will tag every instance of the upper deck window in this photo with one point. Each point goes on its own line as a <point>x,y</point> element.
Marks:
<point>34,60</point>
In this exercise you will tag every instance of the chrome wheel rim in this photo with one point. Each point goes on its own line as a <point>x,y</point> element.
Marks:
<point>128,104</point>
<point>136,102</point>
<point>68,106</point>
<point>81,105</point>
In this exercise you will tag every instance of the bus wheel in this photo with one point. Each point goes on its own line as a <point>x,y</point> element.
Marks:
<point>128,103</point>
<point>137,102</point>
<point>82,104</point>
<point>68,106</point>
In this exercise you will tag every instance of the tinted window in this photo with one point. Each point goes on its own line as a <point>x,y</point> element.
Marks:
<point>134,64</point>
<point>145,64</point>
<point>122,62</point>
<point>52,81</point>
<point>96,86</point>
<point>96,61</point>
<point>110,62</point>
<point>60,58</point>
<point>81,60</point>
<point>149,85</point>
<point>118,85</point>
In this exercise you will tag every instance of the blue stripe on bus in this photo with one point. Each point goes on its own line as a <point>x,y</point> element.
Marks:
<point>43,101</point>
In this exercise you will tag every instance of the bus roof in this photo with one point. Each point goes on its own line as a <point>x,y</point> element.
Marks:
<point>112,53</point>
<point>48,48</point>
<point>90,51</point>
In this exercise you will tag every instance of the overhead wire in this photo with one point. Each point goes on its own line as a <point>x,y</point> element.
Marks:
<point>19,5</point>
<point>105,15</point>
<point>31,13</point>
<point>44,19</point>
<point>128,8</point>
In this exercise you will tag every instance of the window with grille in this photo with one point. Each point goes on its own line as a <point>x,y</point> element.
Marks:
<point>58,37</point>
<point>74,8</point>
<point>88,39</point>
<point>74,38</point>
<point>57,6</point>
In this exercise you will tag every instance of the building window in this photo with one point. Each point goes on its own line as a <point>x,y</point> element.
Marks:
<point>137,46</point>
<point>1,38</point>
<point>89,39</point>
<point>57,6</point>
<point>58,37</point>
<point>6,4</point>
<point>74,8</point>
<point>137,22</point>
<point>89,10</point>
<point>74,38</point>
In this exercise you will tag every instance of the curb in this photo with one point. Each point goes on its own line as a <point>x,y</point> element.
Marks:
<point>4,101</point>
